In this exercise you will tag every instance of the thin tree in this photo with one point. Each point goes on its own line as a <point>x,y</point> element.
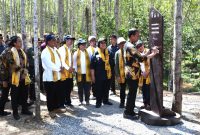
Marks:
<point>94,29</point>
<point>177,55</point>
<point>4,18</point>
<point>23,24</point>
<point>36,60</point>
<point>87,20</point>
<point>14,20</point>
<point>116,15</point>
<point>41,18</point>
<point>67,16</point>
<point>72,17</point>
<point>11,19</point>
<point>60,18</point>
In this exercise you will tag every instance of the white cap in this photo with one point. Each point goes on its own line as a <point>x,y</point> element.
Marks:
<point>120,40</point>
<point>91,37</point>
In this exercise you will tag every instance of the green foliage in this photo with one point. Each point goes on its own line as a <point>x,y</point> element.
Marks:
<point>132,13</point>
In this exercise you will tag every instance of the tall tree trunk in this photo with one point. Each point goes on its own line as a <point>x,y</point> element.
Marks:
<point>17,14</point>
<point>30,16</point>
<point>116,15</point>
<point>23,24</point>
<point>41,18</point>
<point>72,17</point>
<point>36,60</point>
<point>45,17</point>
<point>4,19</point>
<point>67,16</point>
<point>177,55</point>
<point>87,22</point>
<point>83,27</point>
<point>94,29</point>
<point>60,19</point>
<point>109,7</point>
<point>11,18</point>
<point>54,18</point>
<point>14,20</point>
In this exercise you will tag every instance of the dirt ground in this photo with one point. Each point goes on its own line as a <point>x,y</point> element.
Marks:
<point>29,126</point>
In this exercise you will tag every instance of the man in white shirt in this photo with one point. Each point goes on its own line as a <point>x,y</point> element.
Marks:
<point>81,64</point>
<point>52,66</point>
<point>66,57</point>
<point>92,47</point>
<point>91,50</point>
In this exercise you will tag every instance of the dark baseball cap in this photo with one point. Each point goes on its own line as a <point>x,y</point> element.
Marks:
<point>65,38</point>
<point>50,37</point>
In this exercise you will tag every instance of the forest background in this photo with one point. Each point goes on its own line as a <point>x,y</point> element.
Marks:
<point>76,17</point>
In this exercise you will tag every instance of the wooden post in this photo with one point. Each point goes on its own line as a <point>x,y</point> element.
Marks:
<point>156,39</point>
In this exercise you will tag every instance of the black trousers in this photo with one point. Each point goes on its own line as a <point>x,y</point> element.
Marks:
<point>130,103</point>
<point>93,89</point>
<point>84,87</point>
<point>112,83</point>
<point>19,96</point>
<point>60,86</point>
<point>146,93</point>
<point>68,84</point>
<point>122,92</point>
<point>102,91</point>
<point>53,94</point>
<point>32,85</point>
<point>4,97</point>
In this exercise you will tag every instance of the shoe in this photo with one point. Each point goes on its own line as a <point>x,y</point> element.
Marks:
<point>70,105</point>
<point>98,105</point>
<point>5,113</point>
<point>107,103</point>
<point>87,103</point>
<point>142,107</point>
<point>60,110</point>
<point>8,100</point>
<point>93,98</point>
<point>27,112</point>
<point>131,116</point>
<point>121,105</point>
<point>113,93</point>
<point>52,114</point>
<point>16,116</point>
<point>81,103</point>
<point>148,107</point>
<point>30,103</point>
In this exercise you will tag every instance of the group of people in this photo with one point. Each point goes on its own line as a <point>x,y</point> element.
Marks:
<point>95,68</point>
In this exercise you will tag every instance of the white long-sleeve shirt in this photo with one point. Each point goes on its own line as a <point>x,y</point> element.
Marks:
<point>62,52</point>
<point>82,60</point>
<point>90,52</point>
<point>49,66</point>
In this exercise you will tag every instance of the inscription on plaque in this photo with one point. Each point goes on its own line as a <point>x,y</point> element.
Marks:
<point>156,39</point>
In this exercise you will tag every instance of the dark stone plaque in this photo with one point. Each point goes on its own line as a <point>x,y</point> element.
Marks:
<point>158,115</point>
<point>156,39</point>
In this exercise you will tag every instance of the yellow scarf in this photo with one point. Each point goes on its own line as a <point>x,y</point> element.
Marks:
<point>92,48</point>
<point>16,75</point>
<point>87,59</point>
<point>147,69</point>
<point>67,74</point>
<point>121,66</point>
<point>105,58</point>
<point>53,59</point>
